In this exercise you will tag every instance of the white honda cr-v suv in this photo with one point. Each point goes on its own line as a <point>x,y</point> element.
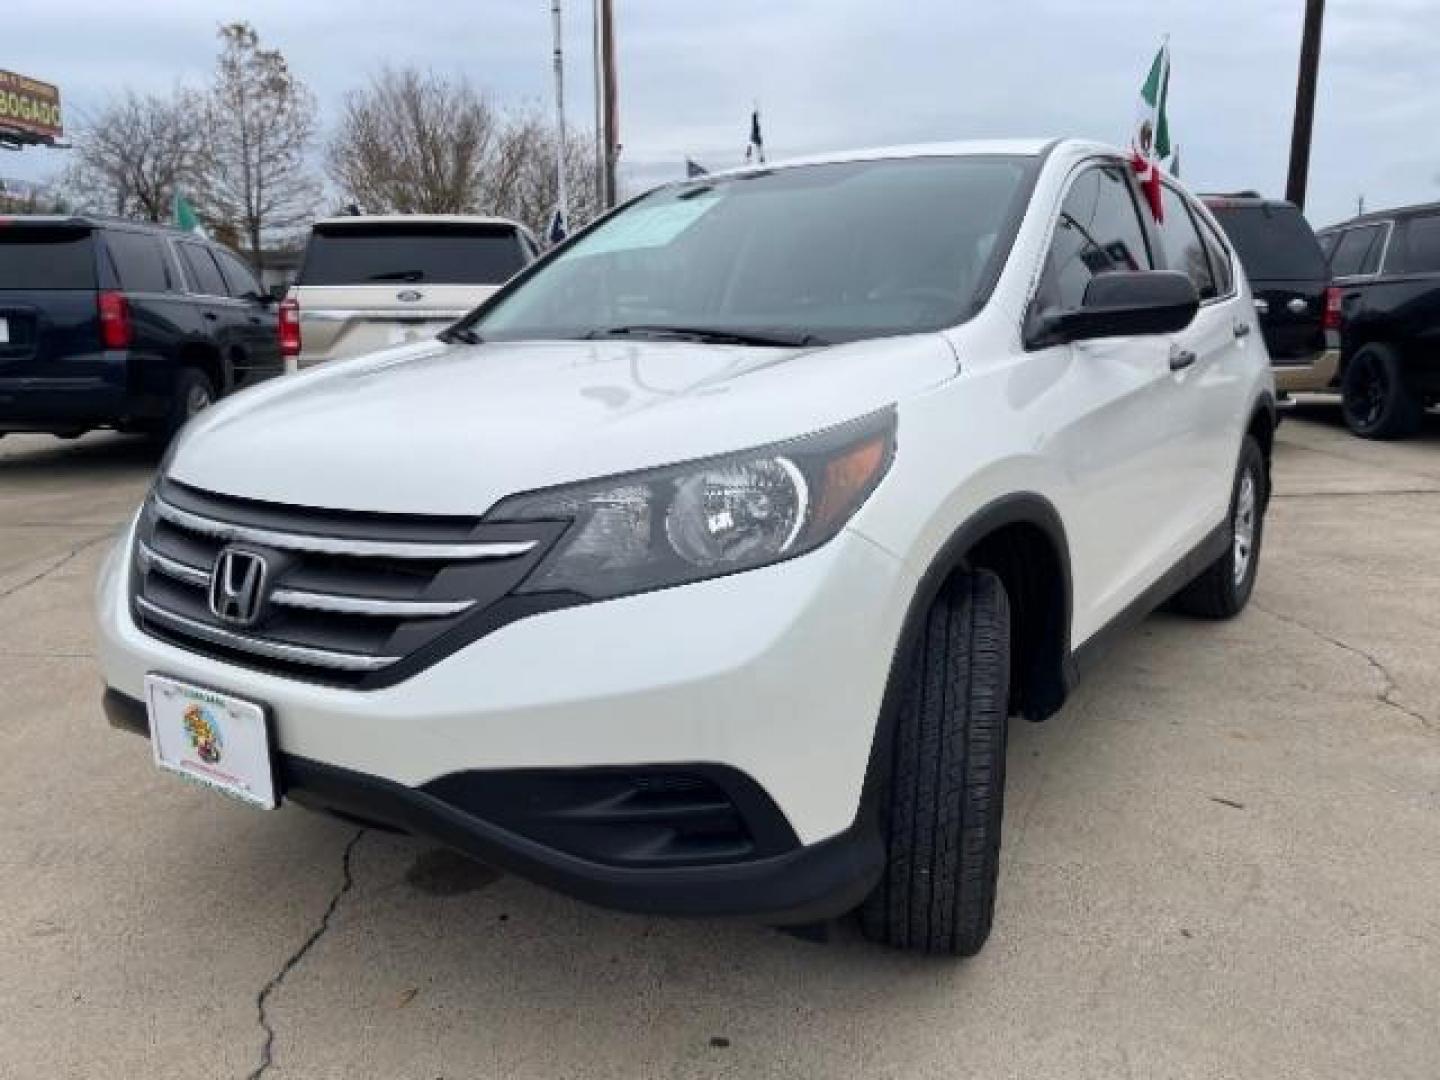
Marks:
<point>699,570</point>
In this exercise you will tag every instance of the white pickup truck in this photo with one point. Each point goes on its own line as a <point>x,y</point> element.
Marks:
<point>371,281</point>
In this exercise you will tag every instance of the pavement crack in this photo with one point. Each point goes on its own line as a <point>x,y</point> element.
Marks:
<point>262,999</point>
<point>1386,693</point>
<point>58,564</point>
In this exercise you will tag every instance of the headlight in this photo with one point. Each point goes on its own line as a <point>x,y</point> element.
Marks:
<point>681,523</point>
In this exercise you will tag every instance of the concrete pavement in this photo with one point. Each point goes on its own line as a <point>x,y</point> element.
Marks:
<point>1221,860</point>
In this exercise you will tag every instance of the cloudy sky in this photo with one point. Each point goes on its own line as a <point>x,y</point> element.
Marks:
<point>834,73</point>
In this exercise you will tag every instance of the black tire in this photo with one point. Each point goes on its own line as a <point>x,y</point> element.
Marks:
<point>1223,590</point>
<point>1375,399</point>
<point>192,392</point>
<point>946,791</point>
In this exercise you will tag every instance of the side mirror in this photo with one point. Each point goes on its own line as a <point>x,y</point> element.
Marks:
<point>277,292</point>
<point>1123,305</point>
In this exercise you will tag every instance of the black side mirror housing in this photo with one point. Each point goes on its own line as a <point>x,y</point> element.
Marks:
<point>1122,305</point>
<point>277,292</point>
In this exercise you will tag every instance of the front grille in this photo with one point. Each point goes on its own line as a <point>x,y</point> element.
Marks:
<point>351,598</point>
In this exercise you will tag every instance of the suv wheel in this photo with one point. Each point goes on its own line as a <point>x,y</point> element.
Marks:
<point>193,392</point>
<point>946,789</point>
<point>1374,397</point>
<point>1224,588</point>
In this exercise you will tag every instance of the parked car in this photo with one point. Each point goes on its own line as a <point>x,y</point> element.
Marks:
<point>701,569</point>
<point>1387,278</point>
<point>123,324</point>
<point>371,281</point>
<point>1298,316</point>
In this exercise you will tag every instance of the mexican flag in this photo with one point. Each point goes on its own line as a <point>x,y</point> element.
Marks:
<point>1150,142</point>
<point>183,215</point>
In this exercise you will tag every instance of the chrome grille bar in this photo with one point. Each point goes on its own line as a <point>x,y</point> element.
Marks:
<point>273,650</point>
<point>338,603</point>
<point>190,575</point>
<point>333,545</point>
<point>365,605</point>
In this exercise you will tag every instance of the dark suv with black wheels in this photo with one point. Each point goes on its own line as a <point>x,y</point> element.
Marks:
<point>1387,278</point>
<point>109,323</point>
<point>1290,281</point>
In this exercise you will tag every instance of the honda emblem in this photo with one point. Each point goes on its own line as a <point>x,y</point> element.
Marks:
<point>237,586</point>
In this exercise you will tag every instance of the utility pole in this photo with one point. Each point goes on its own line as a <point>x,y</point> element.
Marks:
<point>562,207</point>
<point>1305,103</point>
<point>607,133</point>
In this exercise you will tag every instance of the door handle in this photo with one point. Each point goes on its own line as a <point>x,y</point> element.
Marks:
<point>1180,358</point>
<point>1297,306</point>
<point>1241,329</point>
<point>1262,305</point>
<point>211,316</point>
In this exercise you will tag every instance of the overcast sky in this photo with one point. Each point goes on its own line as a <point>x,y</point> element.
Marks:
<point>834,73</point>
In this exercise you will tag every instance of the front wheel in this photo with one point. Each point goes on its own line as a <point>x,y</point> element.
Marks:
<point>946,789</point>
<point>1375,399</point>
<point>1224,588</point>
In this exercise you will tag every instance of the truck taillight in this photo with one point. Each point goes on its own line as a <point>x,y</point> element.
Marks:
<point>115,330</point>
<point>289,327</point>
<point>1331,319</point>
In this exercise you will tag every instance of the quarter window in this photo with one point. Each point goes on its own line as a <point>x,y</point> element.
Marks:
<point>1358,251</point>
<point>1219,258</point>
<point>1184,249</point>
<point>139,262</point>
<point>204,275</point>
<point>238,278</point>
<point>1422,255</point>
<point>1099,232</point>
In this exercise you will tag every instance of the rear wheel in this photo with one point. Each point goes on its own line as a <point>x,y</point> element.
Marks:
<point>1224,588</point>
<point>1376,401</point>
<point>193,393</point>
<point>945,795</point>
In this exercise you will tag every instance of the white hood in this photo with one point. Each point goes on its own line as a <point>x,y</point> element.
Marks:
<point>447,429</point>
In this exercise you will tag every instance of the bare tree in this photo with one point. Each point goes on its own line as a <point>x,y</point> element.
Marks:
<point>522,183</point>
<point>259,122</point>
<point>413,142</point>
<point>131,156</point>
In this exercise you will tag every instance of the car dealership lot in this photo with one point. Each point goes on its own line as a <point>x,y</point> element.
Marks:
<point>1221,859</point>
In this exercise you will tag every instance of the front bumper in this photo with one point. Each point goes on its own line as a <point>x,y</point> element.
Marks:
<point>775,674</point>
<point>801,885</point>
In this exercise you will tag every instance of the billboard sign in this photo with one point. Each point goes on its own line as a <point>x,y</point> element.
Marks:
<point>29,109</point>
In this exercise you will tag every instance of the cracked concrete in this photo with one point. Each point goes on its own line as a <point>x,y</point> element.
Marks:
<point>262,999</point>
<point>1221,860</point>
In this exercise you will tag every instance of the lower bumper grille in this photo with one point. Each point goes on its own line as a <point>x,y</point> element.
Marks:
<point>351,598</point>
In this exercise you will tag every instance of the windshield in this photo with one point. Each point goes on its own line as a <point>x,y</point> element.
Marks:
<point>820,253</point>
<point>384,254</point>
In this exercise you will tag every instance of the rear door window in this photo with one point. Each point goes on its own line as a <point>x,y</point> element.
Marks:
<point>139,262</point>
<point>1357,251</point>
<point>1422,245</point>
<point>238,279</point>
<point>411,254</point>
<point>1274,242</point>
<point>41,258</point>
<point>204,274</point>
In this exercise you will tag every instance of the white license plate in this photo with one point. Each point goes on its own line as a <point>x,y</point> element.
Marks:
<point>4,331</point>
<point>215,739</point>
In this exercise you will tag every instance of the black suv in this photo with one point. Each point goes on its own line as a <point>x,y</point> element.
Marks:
<point>1290,280</point>
<point>1387,276</point>
<point>109,323</point>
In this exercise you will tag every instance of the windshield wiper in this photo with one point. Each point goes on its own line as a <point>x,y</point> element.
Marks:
<point>719,335</point>
<point>460,335</point>
<point>398,275</point>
